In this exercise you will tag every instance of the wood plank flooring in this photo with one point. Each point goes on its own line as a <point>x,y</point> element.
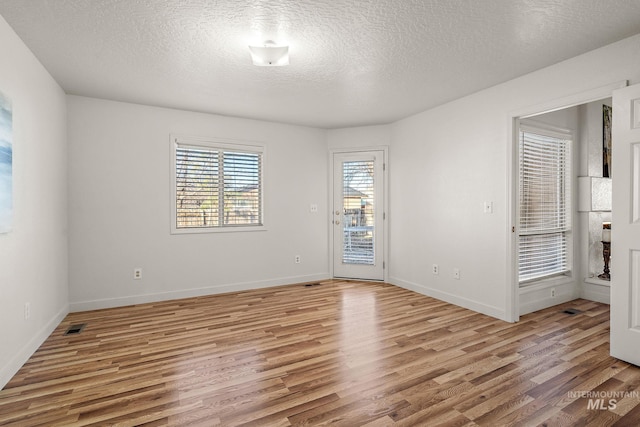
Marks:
<point>339,353</point>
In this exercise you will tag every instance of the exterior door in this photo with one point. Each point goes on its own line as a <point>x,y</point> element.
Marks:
<point>357,215</point>
<point>625,226</point>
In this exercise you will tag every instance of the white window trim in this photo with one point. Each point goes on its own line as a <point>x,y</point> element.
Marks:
<point>204,142</point>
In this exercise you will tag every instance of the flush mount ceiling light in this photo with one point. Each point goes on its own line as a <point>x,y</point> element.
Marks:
<point>270,54</point>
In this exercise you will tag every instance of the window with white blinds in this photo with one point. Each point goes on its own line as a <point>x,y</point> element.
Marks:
<point>216,186</point>
<point>545,204</point>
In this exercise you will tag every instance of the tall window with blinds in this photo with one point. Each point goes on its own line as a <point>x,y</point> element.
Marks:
<point>545,204</point>
<point>216,186</point>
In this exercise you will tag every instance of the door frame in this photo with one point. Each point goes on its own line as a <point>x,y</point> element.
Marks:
<point>385,202</point>
<point>512,305</point>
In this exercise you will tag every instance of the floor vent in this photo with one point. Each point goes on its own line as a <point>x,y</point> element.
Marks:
<point>308,285</point>
<point>572,311</point>
<point>75,329</point>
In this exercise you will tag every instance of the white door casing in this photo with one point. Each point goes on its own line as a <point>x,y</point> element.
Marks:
<point>625,225</point>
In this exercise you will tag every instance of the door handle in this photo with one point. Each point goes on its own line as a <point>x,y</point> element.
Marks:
<point>337,222</point>
<point>337,212</point>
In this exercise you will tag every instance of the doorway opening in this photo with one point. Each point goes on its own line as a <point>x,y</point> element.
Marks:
<point>581,117</point>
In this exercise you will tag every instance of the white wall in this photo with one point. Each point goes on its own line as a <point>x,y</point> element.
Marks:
<point>447,161</point>
<point>359,137</point>
<point>33,256</point>
<point>119,172</point>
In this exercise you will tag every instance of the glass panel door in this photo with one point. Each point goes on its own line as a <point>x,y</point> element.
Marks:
<point>358,215</point>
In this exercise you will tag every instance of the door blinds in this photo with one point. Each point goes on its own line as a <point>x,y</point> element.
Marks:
<point>359,208</point>
<point>545,214</point>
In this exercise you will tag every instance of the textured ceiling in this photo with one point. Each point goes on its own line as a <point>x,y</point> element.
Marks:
<point>353,62</point>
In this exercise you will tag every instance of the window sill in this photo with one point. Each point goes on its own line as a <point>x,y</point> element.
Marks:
<point>204,230</point>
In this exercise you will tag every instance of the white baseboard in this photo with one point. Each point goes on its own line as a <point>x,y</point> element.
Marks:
<point>541,304</point>
<point>538,297</point>
<point>188,293</point>
<point>596,292</point>
<point>489,310</point>
<point>10,369</point>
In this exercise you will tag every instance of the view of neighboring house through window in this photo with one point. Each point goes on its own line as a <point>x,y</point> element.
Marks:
<point>545,203</point>
<point>216,185</point>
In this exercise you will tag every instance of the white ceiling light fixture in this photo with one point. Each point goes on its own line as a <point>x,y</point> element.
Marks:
<point>270,54</point>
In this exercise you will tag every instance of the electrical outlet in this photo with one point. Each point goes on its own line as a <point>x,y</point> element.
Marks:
<point>313,208</point>
<point>297,259</point>
<point>488,207</point>
<point>435,269</point>
<point>553,292</point>
<point>456,273</point>
<point>137,273</point>
<point>27,310</point>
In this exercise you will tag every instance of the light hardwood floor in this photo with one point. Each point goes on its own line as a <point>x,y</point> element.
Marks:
<point>339,353</point>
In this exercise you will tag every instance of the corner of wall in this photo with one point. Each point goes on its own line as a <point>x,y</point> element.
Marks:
<point>469,304</point>
<point>13,366</point>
